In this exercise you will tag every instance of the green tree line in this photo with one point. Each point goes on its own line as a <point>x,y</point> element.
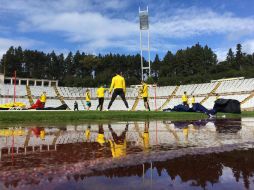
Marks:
<point>196,64</point>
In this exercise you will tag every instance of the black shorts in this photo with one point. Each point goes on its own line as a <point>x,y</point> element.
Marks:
<point>145,99</point>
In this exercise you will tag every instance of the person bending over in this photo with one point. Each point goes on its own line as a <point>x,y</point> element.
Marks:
<point>43,99</point>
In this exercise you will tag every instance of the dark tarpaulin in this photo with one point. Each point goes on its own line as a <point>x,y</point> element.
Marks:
<point>227,106</point>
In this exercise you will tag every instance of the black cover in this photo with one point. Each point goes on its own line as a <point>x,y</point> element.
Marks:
<point>227,106</point>
<point>62,107</point>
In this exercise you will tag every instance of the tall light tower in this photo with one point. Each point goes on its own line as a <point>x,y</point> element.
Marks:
<point>144,32</point>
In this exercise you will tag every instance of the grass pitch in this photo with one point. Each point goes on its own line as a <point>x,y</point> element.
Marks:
<point>19,117</point>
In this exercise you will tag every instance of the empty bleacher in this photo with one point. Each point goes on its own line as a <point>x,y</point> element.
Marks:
<point>38,90</point>
<point>239,89</point>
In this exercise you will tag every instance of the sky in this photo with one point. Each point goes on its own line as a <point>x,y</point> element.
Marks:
<point>97,26</point>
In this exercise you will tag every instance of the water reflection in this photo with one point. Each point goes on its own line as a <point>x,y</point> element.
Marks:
<point>32,154</point>
<point>118,144</point>
<point>205,171</point>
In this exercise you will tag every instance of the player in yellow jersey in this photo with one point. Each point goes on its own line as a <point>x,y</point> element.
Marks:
<point>88,99</point>
<point>144,92</point>
<point>192,101</point>
<point>118,85</point>
<point>43,99</point>
<point>185,99</point>
<point>100,94</point>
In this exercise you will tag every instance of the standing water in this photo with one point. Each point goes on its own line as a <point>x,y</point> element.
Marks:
<point>203,154</point>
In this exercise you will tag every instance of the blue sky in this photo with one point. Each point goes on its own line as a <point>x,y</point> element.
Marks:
<point>96,26</point>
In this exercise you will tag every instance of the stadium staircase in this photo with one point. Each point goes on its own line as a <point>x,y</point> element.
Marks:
<point>169,98</point>
<point>59,96</point>
<point>136,101</point>
<point>211,93</point>
<point>29,95</point>
<point>56,137</point>
<point>247,98</point>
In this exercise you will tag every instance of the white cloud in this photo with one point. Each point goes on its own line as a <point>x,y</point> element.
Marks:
<point>100,31</point>
<point>248,46</point>
<point>193,22</point>
<point>221,53</point>
<point>85,28</point>
<point>5,43</point>
<point>56,6</point>
<point>90,25</point>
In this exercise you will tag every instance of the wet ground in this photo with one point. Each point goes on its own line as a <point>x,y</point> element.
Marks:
<point>204,154</point>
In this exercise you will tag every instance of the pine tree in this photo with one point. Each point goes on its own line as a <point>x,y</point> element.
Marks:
<point>239,57</point>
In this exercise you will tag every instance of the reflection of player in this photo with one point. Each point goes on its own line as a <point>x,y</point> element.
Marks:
<point>39,132</point>
<point>88,133</point>
<point>101,137</point>
<point>146,138</point>
<point>186,132</point>
<point>118,145</point>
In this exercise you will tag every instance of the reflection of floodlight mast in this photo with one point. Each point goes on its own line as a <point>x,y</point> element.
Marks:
<point>144,27</point>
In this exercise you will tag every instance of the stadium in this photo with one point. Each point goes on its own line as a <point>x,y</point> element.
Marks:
<point>103,95</point>
<point>160,96</point>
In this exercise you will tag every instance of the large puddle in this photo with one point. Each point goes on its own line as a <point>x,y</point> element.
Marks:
<point>204,154</point>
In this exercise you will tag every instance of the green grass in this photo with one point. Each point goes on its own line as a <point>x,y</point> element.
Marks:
<point>19,117</point>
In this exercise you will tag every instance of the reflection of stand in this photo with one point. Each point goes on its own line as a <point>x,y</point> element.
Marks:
<point>173,132</point>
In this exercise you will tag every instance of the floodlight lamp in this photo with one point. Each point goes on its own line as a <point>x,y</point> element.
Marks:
<point>143,20</point>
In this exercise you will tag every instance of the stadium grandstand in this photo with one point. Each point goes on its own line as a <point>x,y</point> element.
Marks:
<point>28,90</point>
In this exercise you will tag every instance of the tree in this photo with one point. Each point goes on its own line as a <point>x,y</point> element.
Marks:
<point>230,57</point>
<point>156,66</point>
<point>239,57</point>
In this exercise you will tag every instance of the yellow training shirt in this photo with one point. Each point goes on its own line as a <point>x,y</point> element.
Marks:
<point>42,135</point>
<point>88,97</point>
<point>101,139</point>
<point>87,134</point>
<point>146,141</point>
<point>193,100</point>
<point>117,82</point>
<point>100,92</point>
<point>184,98</point>
<point>43,98</point>
<point>144,90</point>
<point>118,150</point>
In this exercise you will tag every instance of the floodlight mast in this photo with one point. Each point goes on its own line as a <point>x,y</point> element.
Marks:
<point>144,28</point>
